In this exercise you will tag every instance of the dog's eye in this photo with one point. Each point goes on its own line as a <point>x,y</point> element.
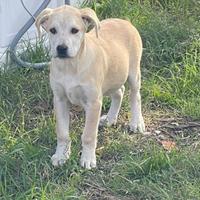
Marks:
<point>74,30</point>
<point>53,30</point>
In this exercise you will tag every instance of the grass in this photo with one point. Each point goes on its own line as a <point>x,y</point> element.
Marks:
<point>130,166</point>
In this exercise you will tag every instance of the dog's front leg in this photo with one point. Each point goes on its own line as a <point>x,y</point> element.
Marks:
<point>62,153</point>
<point>89,137</point>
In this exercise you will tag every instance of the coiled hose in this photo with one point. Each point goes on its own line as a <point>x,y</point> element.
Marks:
<point>12,47</point>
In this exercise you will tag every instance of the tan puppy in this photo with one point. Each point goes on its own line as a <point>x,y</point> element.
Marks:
<point>86,66</point>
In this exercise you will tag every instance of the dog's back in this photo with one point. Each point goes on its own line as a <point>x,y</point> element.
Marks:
<point>123,46</point>
<point>120,31</point>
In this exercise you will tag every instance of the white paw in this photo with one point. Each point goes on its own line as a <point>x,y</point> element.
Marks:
<point>138,126</point>
<point>61,155</point>
<point>105,121</point>
<point>88,159</point>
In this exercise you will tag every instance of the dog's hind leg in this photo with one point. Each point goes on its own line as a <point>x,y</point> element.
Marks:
<point>111,117</point>
<point>137,122</point>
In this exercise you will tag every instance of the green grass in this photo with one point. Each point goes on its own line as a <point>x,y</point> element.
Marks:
<point>129,166</point>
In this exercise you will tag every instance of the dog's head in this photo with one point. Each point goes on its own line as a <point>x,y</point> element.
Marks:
<point>66,27</point>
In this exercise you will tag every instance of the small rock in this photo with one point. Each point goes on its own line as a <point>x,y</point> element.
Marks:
<point>157,132</point>
<point>147,133</point>
<point>175,123</point>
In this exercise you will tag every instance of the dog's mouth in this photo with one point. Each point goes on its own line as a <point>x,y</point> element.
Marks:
<point>62,56</point>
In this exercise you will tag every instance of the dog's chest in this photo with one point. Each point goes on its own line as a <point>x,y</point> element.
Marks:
<point>71,88</point>
<point>76,95</point>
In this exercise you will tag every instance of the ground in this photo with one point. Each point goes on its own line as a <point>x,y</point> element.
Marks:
<point>163,163</point>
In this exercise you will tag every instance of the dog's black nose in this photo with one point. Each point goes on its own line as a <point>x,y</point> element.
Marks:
<point>62,51</point>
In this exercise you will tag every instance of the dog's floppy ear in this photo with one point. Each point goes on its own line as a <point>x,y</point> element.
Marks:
<point>90,18</point>
<point>41,19</point>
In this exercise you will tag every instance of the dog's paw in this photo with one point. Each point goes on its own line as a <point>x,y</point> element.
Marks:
<point>138,126</point>
<point>105,121</point>
<point>60,157</point>
<point>88,159</point>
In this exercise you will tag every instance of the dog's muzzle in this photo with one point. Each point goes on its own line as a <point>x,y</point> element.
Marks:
<point>62,51</point>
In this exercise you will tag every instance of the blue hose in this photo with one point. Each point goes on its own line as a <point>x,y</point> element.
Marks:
<point>67,2</point>
<point>12,47</point>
